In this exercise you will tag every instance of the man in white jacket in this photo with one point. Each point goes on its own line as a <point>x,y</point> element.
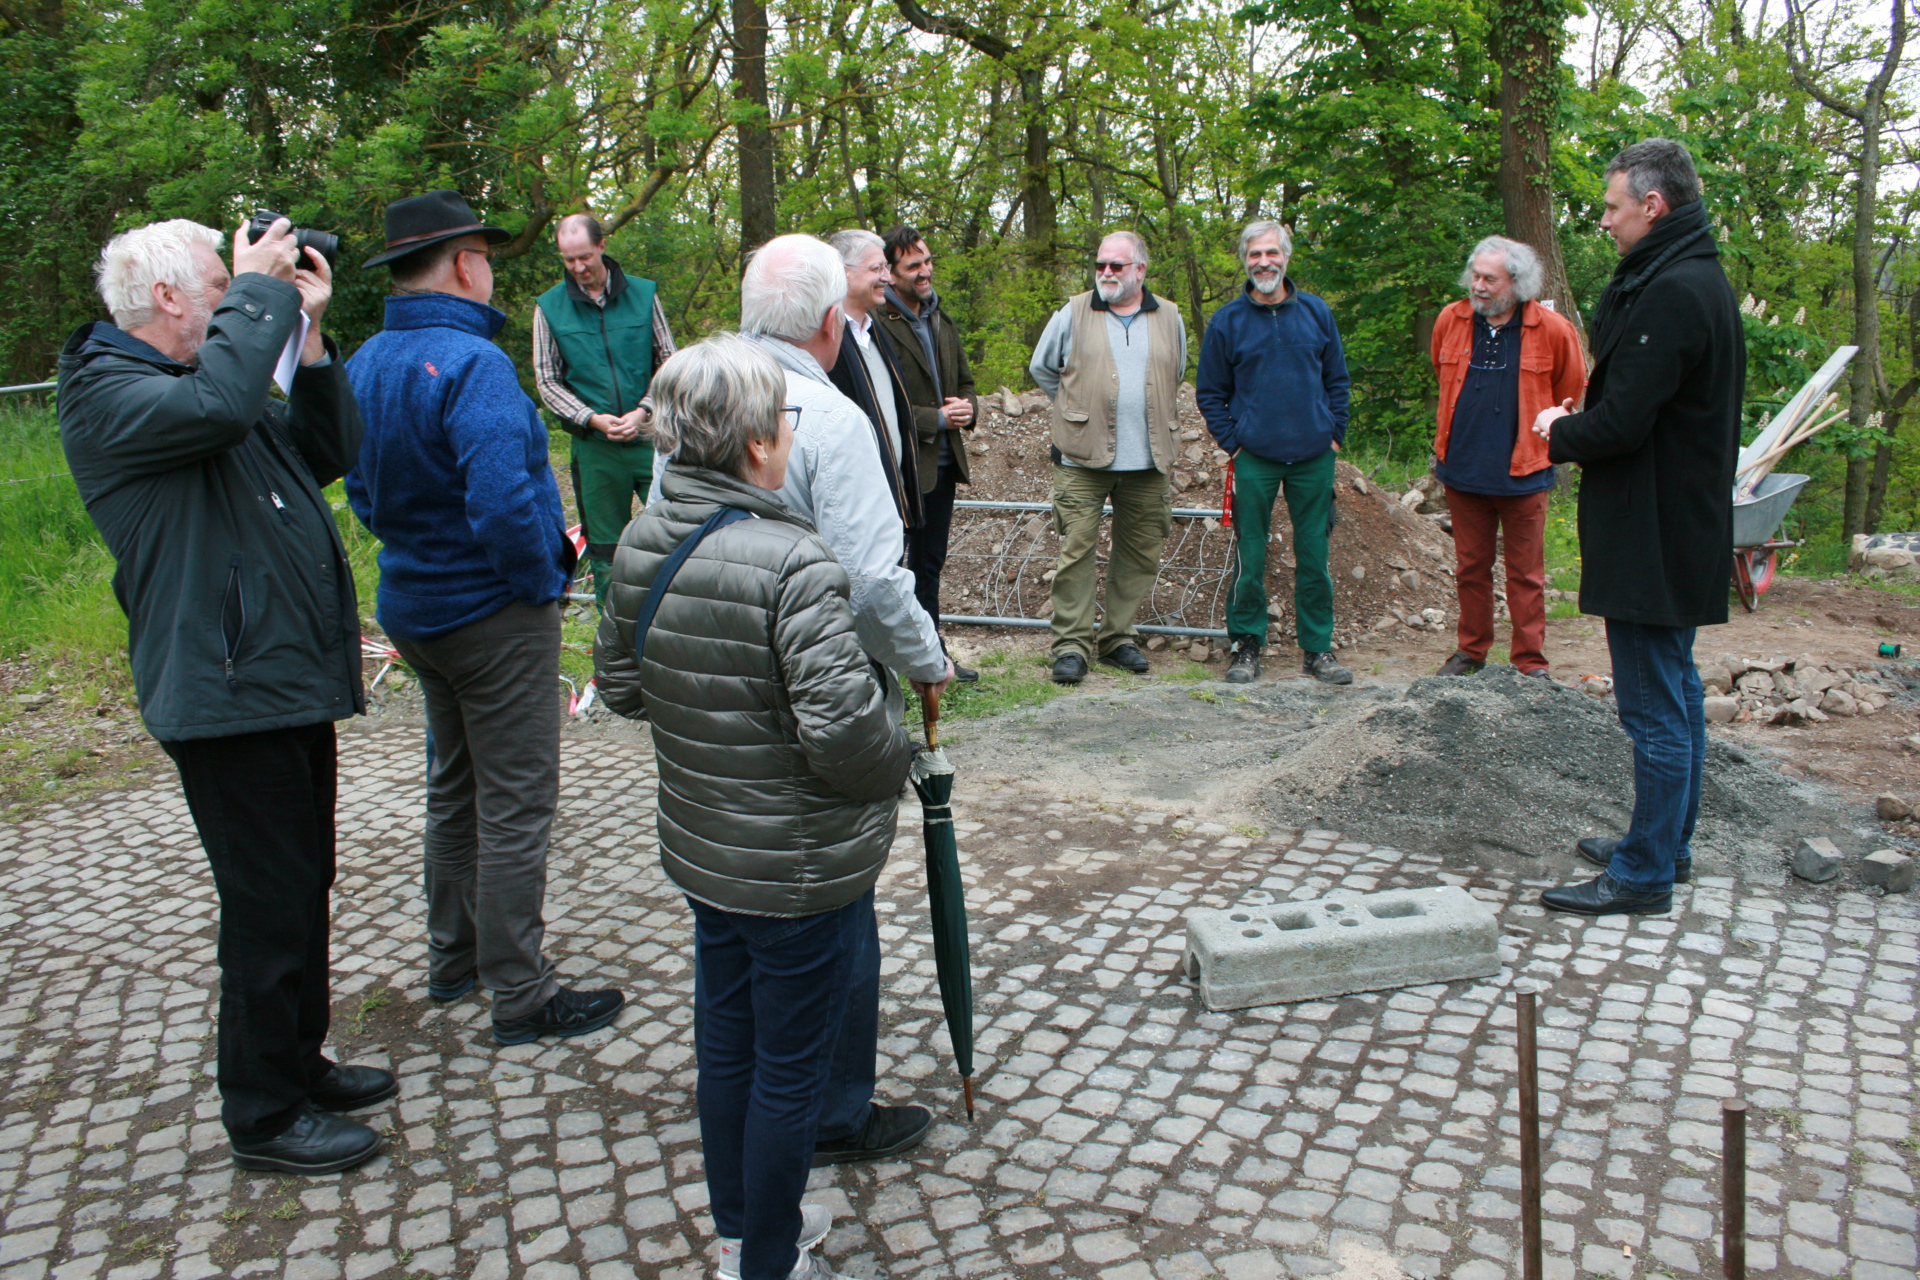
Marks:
<point>790,300</point>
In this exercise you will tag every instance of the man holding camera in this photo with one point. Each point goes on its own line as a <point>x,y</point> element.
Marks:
<point>598,336</point>
<point>244,630</point>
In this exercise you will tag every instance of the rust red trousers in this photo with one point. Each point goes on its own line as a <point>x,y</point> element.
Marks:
<point>1477,520</point>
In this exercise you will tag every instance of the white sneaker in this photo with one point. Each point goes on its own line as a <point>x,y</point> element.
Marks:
<point>815,1222</point>
<point>813,1267</point>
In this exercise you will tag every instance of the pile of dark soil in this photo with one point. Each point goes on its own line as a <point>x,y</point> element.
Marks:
<point>1501,763</point>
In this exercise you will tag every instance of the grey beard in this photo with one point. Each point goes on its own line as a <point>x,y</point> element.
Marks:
<point>1279,283</point>
<point>1491,306</point>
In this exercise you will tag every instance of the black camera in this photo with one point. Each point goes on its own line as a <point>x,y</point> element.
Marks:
<point>324,243</point>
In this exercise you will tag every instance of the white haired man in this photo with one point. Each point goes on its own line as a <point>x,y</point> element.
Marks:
<point>1273,389</point>
<point>1500,357</point>
<point>868,372</point>
<point>245,633</point>
<point>1111,360</point>
<point>790,305</point>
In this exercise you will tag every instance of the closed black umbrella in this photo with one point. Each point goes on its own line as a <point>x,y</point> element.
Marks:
<point>946,896</point>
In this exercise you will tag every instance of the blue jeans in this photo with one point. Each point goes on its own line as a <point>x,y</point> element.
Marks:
<point>1657,690</point>
<point>772,994</point>
<point>850,1083</point>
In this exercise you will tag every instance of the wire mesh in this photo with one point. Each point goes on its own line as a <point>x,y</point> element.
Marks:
<point>999,555</point>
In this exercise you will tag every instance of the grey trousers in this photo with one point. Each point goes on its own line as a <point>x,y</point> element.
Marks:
<point>493,779</point>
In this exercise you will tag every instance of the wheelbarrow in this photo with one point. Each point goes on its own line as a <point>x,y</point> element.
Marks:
<point>1756,521</point>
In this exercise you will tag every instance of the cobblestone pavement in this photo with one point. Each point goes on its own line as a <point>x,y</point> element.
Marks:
<point>1124,1133</point>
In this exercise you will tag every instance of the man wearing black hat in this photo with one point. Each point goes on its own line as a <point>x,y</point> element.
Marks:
<point>453,479</point>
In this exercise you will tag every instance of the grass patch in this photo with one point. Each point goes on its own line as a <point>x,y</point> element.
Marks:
<point>56,576</point>
<point>1007,682</point>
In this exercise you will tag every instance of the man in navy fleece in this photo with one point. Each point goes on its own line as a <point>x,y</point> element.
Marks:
<point>1273,389</point>
<point>453,479</point>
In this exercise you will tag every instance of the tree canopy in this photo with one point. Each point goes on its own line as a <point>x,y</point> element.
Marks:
<point>1013,136</point>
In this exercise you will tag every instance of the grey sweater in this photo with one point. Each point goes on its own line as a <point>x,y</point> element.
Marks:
<point>1127,339</point>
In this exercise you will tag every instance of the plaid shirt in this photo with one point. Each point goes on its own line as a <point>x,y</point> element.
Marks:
<point>550,371</point>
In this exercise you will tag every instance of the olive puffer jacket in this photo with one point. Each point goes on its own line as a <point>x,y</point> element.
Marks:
<point>779,742</point>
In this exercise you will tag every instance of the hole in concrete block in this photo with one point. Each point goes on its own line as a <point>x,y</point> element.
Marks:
<point>1293,920</point>
<point>1249,933</point>
<point>1193,967</point>
<point>1239,919</point>
<point>1396,910</point>
<point>1351,921</point>
<point>1335,908</point>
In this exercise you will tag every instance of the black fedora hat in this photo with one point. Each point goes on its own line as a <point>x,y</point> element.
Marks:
<point>418,221</point>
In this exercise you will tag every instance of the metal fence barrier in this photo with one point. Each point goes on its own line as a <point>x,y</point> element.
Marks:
<point>1008,546</point>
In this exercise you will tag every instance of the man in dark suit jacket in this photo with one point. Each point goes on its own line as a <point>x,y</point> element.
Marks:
<point>1657,442</point>
<point>868,372</point>
<point>933,364</point>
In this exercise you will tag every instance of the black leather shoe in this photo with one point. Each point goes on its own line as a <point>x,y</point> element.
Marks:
<point>1460,665</point>
<point>315,1142</point>
<point>889,1131</point>
<point>1605,896</point>
<point>1323,668</point>
<point>965,675</point>
<point>1127,657</point>
<point>1069,668</point>
<point>1538,673</point>
<point>350,1088</point>
<point>1599,851</point>
<point>445,991</point>
<point>569,1013</point>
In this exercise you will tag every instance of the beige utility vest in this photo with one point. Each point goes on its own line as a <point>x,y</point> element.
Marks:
<point>1083,411</point>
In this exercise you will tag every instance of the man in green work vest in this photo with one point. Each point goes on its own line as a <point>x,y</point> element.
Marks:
<point>597,338</point>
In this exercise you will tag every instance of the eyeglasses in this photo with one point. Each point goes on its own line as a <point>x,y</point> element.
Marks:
<point>1485,352</point>
<point>486,253</point>
<point>790,416</point>
<point>1112,268</point>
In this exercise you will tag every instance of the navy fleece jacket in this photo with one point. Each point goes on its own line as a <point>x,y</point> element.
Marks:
<point>453,475</point>
<point>1273,380</point>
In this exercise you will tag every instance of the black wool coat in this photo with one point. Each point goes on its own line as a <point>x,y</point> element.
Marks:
<point>1660,432</point>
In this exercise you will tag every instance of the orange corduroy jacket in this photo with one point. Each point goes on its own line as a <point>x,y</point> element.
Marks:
<point>1552,369</point>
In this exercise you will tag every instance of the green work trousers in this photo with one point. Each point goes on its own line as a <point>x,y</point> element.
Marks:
<point>607,477</point>
<point>1309,488</point>
<point>1142,515</point>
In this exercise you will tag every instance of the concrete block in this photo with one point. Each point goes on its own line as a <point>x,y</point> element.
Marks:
<point>1887,869</point>
<point>1817,859</point>
<point>1332,947</point>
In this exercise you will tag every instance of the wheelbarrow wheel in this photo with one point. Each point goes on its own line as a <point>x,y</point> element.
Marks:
<point>1752,574</point>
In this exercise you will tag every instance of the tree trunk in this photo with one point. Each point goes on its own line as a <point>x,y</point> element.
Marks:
<point>1528,51</point>
<point>1866,311</point>
<point>758,207</point>
<point>1037,205</point>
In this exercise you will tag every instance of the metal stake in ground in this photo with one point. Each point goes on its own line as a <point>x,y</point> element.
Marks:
<point>1531,1261</point>
<point>1733,1189</point>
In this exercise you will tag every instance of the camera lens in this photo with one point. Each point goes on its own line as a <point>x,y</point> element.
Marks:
<point>324,243</point>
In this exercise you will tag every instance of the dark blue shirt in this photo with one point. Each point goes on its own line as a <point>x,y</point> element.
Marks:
<point>1486,418</point>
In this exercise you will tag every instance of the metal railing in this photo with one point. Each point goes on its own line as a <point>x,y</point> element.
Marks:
<point>25,387</point>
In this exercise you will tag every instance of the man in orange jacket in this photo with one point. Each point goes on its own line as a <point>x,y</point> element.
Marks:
<point>1501,357</point>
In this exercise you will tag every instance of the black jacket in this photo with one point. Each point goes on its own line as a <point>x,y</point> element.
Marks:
<point>849,373</point>
<point>239,599</point>
<point>1658,438</point>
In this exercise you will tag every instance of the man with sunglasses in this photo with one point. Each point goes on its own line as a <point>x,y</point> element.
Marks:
<point>1500,357</point>
<point>453,479</point>
<point>1111,360</point>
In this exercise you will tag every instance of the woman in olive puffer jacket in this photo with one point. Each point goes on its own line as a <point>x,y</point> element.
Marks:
<point>781,759</point>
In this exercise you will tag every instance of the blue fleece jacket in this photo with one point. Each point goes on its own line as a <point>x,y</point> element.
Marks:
<point>1273,380</point>
<point>453,476</point>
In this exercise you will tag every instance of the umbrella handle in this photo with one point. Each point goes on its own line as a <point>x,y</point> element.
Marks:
<point>930,718</point>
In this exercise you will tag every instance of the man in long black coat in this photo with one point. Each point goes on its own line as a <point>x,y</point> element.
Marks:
<point>1657,442</point>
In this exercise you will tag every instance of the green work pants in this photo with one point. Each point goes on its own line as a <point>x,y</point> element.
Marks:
<point>1142,515</point>
<point>607,477</point>
<point>1309,488</point>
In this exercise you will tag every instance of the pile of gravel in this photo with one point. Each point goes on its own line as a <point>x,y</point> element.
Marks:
<point>1500,764</point>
